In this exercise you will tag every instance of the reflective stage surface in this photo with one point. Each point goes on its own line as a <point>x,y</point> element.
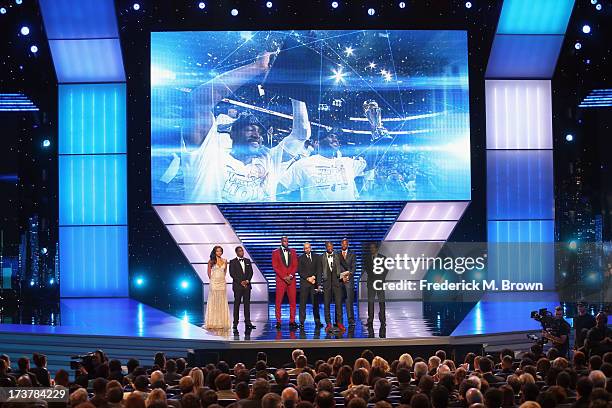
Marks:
<point>495,313</point>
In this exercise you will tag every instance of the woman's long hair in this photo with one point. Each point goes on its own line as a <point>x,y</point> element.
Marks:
<point>213,255</point>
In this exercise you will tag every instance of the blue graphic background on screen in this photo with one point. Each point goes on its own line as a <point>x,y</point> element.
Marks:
<point>201,81</point>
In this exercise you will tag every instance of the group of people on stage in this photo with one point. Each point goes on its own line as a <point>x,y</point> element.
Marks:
<point>331,273</point>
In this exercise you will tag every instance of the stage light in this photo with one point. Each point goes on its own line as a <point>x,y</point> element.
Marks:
<point>2,10</point>
<point>598,7</point>
<point>593,1</point>
<point>31,283</point>
<point>371,11</point>
<point>18,1</point>
<point>139,281</point>
<point>184,284</point>
<point>202,5</point>
<point>51,281</point>
<point>25,30</point>
<point>334,4</point>
<point>136,6</point>
<point>234,12</point>
<point>46,143</point>
<point>569,137</point>
<point>269,4</point>
<point>577,46</point>
<point>34,49</point>
<point>44,251</point>
<point>586,29</point>
<point>573,245</point>
<point>402,5</point>
<point>468,4</point>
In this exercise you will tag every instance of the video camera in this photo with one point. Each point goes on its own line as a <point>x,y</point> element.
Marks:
<point>548,323</point>
<point>83,360</point>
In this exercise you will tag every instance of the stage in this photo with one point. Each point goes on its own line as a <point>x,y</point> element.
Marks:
<point>138,330</point>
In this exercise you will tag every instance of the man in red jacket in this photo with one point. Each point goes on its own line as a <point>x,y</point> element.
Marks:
<point>285,264</point>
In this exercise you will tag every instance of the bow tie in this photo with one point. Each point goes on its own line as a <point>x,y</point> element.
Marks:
<point>285,249</point>
<point>330,255</point>
<point>241,259</point>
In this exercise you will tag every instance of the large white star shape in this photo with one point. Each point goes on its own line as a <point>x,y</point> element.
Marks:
<point>349,51</point>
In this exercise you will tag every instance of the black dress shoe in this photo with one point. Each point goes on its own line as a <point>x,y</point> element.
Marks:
<point>250,326</point>
<point>278,326</point>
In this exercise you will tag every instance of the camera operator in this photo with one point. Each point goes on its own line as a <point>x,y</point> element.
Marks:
<point>559,332</point>
<point>583,322</point>
<point>599,339</point>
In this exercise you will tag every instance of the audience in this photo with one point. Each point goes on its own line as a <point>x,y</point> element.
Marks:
<point>502,380</point>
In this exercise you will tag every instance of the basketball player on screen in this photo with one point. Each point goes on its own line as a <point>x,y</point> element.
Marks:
<point>239,168</point>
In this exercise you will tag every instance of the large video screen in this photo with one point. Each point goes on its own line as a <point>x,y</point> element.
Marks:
<point>309,116</point>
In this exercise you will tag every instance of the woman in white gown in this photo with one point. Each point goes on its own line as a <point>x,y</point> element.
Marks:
<point>217,308</point>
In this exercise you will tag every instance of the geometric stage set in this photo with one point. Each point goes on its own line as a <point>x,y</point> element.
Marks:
<point>93,209</point>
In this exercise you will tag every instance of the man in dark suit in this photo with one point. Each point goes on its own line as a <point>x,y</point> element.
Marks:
<point>310,277</point>
<point>378,274</point>
<point>330,279</point>
<point>347,275</point>
<point>241,271</point>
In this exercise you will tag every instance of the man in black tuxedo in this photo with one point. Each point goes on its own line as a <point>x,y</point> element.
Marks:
<point>347,275</point>
<point>330,279</point>
<point>241,271</point>
<point>372,275</point>
<point>310,277</point>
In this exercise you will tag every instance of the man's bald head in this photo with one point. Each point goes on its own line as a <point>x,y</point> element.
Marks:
<point>290,394</point>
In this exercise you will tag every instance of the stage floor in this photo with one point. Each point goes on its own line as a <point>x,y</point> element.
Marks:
<point>122,317</point>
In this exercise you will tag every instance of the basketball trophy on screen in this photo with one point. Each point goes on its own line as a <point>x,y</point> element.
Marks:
<point>373,113</point>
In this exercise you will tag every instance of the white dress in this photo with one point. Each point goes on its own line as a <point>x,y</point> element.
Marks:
<point>217,308</point>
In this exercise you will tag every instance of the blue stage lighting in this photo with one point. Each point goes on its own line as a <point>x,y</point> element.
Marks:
<point>598,7</point>
<point>371,11</point>
<point>136,6</point>
<point>46,143</point>
<point>269,4</point>
<point>44,251</point>
<point>139,281</point>
<point>34,49</point>
<point>468,4</point>
<point>586,29</point>
<point>184,284</point>
<point>234,12</point>
<point>569,137</point>
<point>31,283</point>
<point>573,245</point>
<point>51,281</point>
<point>402,4</point>
<point>18,1</point>
<point>593,1</point>
<point>334,4</point>
<point>202,5</point>
<point>25,30</point>
<point>577,46</point>
<point>2,10</point>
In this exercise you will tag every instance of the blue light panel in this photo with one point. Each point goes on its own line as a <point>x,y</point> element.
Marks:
<point>520,184</point>
<point>92,190</point>
<point>521,231</point>
<point>92,118</point>
<point>522,251</point>
<point>535,17</point>
<point>96,60</point>
<point>65,19</point>
<point>524,56</point>
<point>94,261</point>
